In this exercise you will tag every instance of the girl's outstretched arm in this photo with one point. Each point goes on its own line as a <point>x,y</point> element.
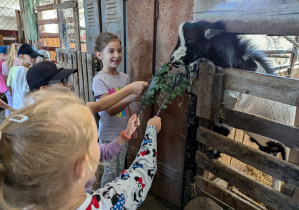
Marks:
<point>112,99</point>
<point>5,105</point>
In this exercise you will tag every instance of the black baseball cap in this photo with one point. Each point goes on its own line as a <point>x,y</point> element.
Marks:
<point>28,49</point>
<point>43,72</point>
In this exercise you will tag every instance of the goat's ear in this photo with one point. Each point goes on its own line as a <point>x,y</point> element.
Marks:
<point>209,33</point>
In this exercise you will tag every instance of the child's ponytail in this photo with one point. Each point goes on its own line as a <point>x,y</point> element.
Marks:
<point>11,55</point>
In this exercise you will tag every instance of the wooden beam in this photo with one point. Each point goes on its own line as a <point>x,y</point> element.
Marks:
<point>258,190</point>
<point>48,48</point>
<point>8,32</point>
<point>274,17</point>
<point>19,25</point>
<point>280,169</point>
<point>45,7</point>
<point>49,35</point>
<point>231,199</point>
<point>48,21</point>
<point>65,5</point>
<point>217,97</point>
<point>272,87</point>
<point>297,113</point>
<point>76,28</point>
<point>286,134</point>
<point>76,81</point>
<point>80,74</point>
<point>206,75</point>
<point>90,74</point>
<point>85,77</point>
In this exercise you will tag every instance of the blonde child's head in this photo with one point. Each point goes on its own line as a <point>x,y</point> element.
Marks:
<point>12,54</point>
<point>103,40</point>
<point>40,147</point>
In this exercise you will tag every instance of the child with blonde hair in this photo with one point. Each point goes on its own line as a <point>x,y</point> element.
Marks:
<point>113,120</point>
<point>48,151</point>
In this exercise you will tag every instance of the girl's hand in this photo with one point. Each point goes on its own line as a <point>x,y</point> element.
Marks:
<point>155,121</point>
<point>133,123</point>
<point>138,87</point>
<point>134,97</point>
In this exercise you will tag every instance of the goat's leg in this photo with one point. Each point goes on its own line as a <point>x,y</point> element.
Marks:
<point>222,129</point>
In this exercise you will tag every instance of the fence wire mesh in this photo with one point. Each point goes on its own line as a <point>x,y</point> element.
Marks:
<point>8,14</point>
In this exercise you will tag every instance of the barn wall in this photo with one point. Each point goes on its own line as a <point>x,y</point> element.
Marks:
<point>151,36</point>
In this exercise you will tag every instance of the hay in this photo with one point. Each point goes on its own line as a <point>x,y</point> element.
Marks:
<point>258,175</point>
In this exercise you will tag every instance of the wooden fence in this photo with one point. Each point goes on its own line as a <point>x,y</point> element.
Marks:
<point>82,80</point>
<point>213,105</point>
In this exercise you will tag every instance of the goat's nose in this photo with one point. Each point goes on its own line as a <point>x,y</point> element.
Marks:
<point>171,58</point>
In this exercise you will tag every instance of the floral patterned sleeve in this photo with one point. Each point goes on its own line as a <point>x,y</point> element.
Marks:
<point>129,190</point>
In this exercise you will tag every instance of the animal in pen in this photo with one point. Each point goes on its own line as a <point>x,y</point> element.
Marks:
<point>204,40</point>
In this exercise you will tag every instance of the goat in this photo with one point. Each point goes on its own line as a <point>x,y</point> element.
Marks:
<point>204,40</point>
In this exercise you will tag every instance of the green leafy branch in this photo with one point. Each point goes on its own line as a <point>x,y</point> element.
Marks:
<point>165,84</point>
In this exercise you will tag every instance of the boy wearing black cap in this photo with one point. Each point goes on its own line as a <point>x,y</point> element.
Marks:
<point>28,55</point>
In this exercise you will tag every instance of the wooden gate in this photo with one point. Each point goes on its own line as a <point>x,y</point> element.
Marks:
<point>212,105</point>
<point>82,80</point>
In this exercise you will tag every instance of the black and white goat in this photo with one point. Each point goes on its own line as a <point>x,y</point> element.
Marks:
<point>202,39</point>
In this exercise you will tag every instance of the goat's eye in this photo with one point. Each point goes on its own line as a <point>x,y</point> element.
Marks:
<point>190,39</point>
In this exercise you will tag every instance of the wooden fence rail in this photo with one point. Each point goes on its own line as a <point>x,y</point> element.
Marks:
<point>82,80</point>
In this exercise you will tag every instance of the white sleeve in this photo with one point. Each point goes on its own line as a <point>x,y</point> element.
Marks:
<point>129,190</point>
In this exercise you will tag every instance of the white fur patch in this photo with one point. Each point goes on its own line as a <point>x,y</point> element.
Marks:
<point>181,51</point>
<point>259,68</point>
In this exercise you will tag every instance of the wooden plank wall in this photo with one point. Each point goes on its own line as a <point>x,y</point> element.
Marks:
<point>273,17</point>
<point>207,88</point>
<point>82,80</point>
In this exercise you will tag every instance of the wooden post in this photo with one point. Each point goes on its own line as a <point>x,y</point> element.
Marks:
<point>19,25</point>
<point>80,74</point>
<point>297,112</point>
<point>76,82</point>
<point>90,74</point>
<point>85,78</point>
<point>205,90</point>
<point>76,28</point>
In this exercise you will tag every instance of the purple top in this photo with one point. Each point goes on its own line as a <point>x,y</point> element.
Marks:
<point>108,151</point>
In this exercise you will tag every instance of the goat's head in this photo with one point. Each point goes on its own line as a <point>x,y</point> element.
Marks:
<point>194,42</point>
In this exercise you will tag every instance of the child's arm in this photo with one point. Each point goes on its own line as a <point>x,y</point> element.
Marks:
<point>5,105</point>
<point>117,108</point>
<point>108,151</point>
<point>131,188</point>
<point>112,99</point>
<point>9,81</point>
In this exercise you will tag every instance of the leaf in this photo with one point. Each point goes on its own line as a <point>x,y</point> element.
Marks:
<point>165,84</point>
